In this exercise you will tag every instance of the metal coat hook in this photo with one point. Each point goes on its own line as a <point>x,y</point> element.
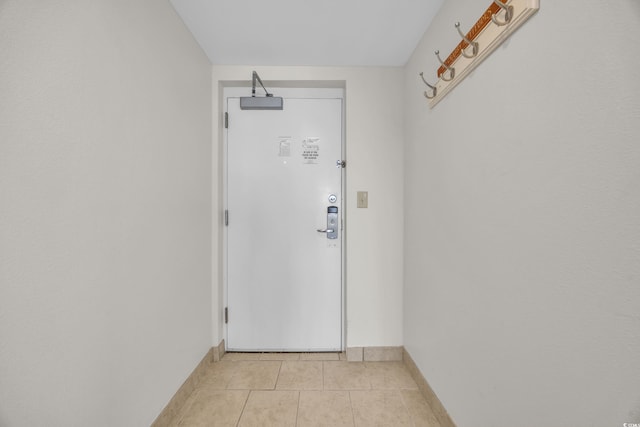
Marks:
<point>474,45</point>
<point>496,23</point>
<point>508,14</point>
<point>434,90</point>
<point>451,70</point>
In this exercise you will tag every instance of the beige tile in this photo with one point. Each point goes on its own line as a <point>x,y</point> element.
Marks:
<point>355,354</point>
<point>390,375</point>
<point>171,414</point>
<point>214,408</point>
<point>174,408</point>
<point>380,408</point>
<point>218,375</point>
<point>346,376</point>
<point>280,356</point>
<point>382,354</point>
<point>234,357</point>
<point>343,356</point>
<point>325,408</point>
<point>270,408</point>
<point>419,410</point>
<point>319,356</point>
<point>432,399</point>
<point>300,375</point>
<point>254,375</point>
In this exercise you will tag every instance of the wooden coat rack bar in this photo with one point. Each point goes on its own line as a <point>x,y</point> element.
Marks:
<point>495,25</point>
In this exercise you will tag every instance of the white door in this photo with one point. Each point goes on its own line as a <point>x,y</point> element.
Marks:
<point>284,277</point>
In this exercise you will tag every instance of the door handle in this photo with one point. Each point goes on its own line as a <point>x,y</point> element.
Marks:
<point>332,223</point>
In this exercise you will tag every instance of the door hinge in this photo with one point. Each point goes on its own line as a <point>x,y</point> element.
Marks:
<point>341,164</point>
<point>226,120</point>
<point>226,217</point>
<point>226,315</point>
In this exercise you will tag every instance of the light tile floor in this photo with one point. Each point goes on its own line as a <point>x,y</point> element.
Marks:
<point>305,389</point>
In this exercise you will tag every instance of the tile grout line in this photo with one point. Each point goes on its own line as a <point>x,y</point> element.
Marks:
<point>243,408</point>
<point>353,413</point>
<point>277,376</point>
<point>297,408</point>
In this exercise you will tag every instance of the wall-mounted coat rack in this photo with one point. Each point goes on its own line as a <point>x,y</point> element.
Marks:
<point>495,25</point>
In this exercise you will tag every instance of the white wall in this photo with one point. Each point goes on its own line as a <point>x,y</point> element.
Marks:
<point>374,164</point>
<point>105,207</point>
<point>522,209</point>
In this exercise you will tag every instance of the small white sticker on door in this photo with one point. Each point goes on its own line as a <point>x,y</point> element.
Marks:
<point>285,147</point>
<point>311,151</point>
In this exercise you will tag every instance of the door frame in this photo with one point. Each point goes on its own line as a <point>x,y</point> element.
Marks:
<point>317,89</point>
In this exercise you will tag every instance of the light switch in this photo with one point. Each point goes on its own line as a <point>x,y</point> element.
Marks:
<point>363,199</point>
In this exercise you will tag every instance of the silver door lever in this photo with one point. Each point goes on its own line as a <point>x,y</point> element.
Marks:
<point>332,223</point>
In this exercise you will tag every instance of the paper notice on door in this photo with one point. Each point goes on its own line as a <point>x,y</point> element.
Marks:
<point>310,151</point>
<point>284,147</point>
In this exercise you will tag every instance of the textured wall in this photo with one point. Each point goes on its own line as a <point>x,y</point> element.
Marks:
<point>374,155</point>
<point>522,208</point>
<point>105,211</point>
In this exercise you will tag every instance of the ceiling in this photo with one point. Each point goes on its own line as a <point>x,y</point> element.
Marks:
<point>306,32</point>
